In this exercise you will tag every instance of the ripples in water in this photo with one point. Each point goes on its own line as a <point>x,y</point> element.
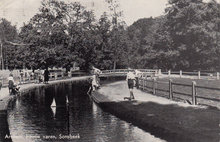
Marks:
<point>81,120</point>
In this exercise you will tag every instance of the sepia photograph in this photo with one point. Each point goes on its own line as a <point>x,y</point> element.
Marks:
<point>109,70</point>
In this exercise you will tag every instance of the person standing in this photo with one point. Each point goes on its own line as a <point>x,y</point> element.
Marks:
<point>10,83</point>
<point>93,85</point>
<point>46,76</point>
<point>131,81</point>
<point>137,76</point>
<point>97,72</point>
<point>21,76</point>
<point>39,77</point>
<point>1,82</point>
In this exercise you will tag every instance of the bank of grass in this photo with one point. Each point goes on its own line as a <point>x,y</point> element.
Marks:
<point>169,122</point>
<point>206,93</point>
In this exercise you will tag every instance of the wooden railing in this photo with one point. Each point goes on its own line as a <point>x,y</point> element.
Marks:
<point>197,74</point>
<point>192,92</point>
<point>143,72</point>
<point>28,77</point>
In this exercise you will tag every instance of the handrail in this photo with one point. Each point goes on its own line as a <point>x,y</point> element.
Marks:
<point>212,99</point>
<point>210,88</point>
<point>181,84</point>
<point>152,85</point>
<point>163,90</point>
<point>127,70</point>
<point>185,94</point>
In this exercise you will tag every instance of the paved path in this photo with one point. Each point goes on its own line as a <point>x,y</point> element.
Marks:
<point>118,90</point>
<point>169,120</point>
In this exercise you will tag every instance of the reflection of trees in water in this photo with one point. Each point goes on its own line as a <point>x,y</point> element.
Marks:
<point>4,128</point>
<point>80,112</point>
<point>80,116</point>
<point>34,112</point>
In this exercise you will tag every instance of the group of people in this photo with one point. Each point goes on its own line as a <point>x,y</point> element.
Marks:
<point>37,75</point>
<point>132,81</point>
<point>131,78</point>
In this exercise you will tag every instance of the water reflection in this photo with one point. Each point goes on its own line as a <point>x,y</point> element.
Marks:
<point>4,130</point>
<point>32,119</point>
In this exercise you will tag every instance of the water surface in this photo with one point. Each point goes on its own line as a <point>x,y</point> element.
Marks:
<point>31,120</point>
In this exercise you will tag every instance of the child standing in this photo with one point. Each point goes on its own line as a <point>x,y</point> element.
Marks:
<point>10,83</point>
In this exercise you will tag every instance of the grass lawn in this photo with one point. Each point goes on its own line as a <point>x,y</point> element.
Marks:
<point>205,94</point>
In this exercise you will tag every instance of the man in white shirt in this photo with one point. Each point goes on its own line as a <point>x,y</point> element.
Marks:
<point>131,81</point>
<point>137,76</point>
<point>96,71</point>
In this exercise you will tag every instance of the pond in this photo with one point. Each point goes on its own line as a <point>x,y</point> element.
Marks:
<point>74,118</point>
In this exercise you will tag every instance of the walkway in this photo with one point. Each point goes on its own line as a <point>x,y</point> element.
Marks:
<point>172,121</point>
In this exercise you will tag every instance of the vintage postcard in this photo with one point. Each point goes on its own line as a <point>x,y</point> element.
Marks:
<point>109,70</point>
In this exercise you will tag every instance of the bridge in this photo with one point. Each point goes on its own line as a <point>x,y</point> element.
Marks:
<point>123,72</point>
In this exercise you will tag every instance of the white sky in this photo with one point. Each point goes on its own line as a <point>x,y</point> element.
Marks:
<point>20,11</point>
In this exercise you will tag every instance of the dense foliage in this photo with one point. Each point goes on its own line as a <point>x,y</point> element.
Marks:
<point>61,34</point>
<point>186,38</point>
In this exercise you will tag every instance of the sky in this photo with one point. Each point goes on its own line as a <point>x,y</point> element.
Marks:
<point>20,11</point>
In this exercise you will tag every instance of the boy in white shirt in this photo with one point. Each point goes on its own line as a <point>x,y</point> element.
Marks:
<point>131,81</point>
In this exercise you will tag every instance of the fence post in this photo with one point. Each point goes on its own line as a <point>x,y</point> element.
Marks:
<point>181,73</point>
<point>154,86</point>
<point>29,78</point>
<point>143,83</point>
<point>217,75</point>
<point>199,74</point>
<point>63,74</point>
<point>55,76</point>
<point>194,93</point>
<point>159,72</point>
<point>69,74</point>
<point>169,72</point>
<point>170,89</point>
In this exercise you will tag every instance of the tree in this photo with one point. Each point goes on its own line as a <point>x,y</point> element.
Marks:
<point>8,33</point>
<point>117,26</point>
<point>61,32</point>
<point>192,25</point>
<point>102,34</point>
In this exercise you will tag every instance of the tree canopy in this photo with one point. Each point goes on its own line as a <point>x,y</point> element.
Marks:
<point>61,34</point>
